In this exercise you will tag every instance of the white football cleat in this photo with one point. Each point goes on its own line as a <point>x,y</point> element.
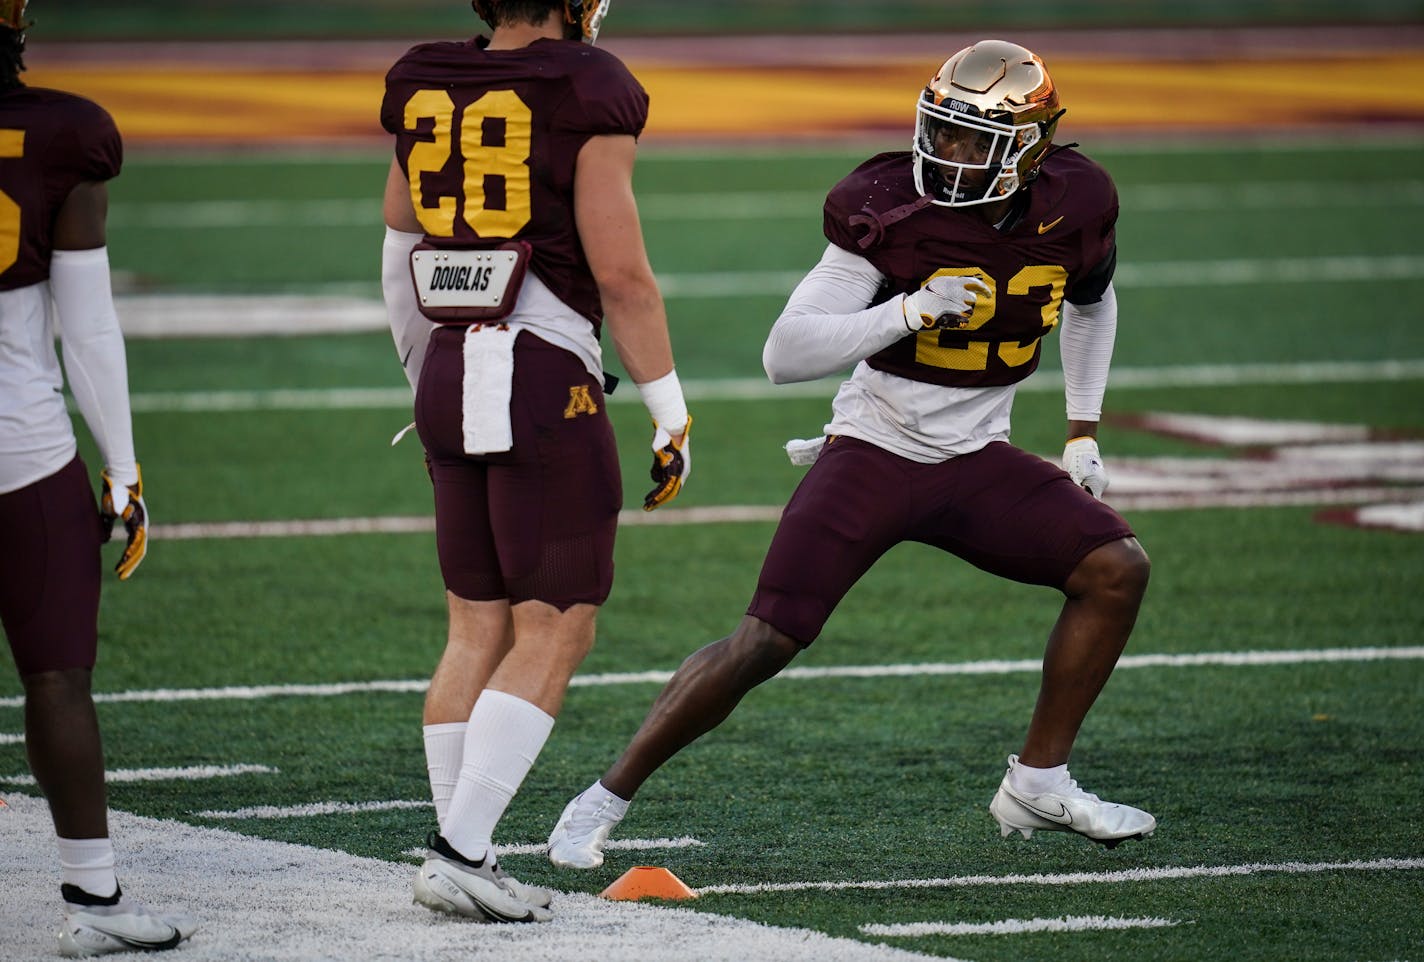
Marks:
<point>1067,808</point>
<point>448,882</point>
<point>100,926</point>
<point>582,830</point>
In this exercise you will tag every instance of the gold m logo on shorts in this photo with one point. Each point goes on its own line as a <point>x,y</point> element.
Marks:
<point>580,402</point>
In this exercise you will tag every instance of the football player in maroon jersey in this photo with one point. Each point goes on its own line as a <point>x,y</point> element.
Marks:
<point>512,238</point>
<point>947,265</point>
<point>57,151</point>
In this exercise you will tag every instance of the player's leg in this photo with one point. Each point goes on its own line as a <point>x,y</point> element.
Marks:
<point>49,599</point>
<point>1018,516</point>
<point>1102,597</point>
<point>49,604</point>
<point>844,515</point>
<point>551,508</point>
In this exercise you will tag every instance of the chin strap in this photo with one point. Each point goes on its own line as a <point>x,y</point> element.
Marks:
<point>875,224</point>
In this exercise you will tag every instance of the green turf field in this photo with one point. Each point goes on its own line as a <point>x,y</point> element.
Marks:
<point>1279,786</point>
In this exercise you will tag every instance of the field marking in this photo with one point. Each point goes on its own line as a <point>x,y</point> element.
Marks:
<point>8,739</point>
<point>615,844</point>
<point>326,527</point>
<point>1065,923</point>
<point>310,809</point>
<point>1156,274</point>
<point>761,389</point>
<point>191,773</point>
<point>1077,878</point>
<point>765,514</point>
<point>1232,659</point>
<point>258,900</point>
<point>207,215</point>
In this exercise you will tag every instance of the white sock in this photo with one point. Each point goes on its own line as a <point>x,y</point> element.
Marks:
<point>505,735</point>
<point>596,794</point>
<point>1036,781</point>
<point>89,864</point>
<point>444,753</point>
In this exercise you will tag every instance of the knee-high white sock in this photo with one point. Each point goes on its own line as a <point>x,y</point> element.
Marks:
<point>89,864</point>
<point>444,754</point>
<point>504,737</point>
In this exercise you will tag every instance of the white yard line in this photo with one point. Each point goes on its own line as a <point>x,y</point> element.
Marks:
<point>1077,878</point>
<point>310,810</point>
<point>8,739</point>
<point>1066,923</point>
<point>737,514</point>
<point>615,844</point>
<point>263,901</point>
<point>760,389</point>
<point>1233,659</point>
<point>326,527</point>
<point>189,774</point>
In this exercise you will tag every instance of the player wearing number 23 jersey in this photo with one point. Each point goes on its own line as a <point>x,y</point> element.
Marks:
<point>946,267</point>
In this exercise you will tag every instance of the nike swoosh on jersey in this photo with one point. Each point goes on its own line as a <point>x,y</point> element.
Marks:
<point>1045,228</point>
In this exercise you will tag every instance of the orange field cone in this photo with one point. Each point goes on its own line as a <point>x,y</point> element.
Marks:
<point>647,882</point>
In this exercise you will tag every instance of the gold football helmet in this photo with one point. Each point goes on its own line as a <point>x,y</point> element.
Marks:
<point>984,124</point>
<point>12,14</point>
<point>584,15</point>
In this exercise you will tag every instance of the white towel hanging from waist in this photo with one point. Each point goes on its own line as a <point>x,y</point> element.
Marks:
<point>489,374</point>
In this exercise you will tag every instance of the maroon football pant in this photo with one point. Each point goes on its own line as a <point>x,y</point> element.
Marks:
<point>49,572</point>
<point>536,522</point>
<point>1004,510</point>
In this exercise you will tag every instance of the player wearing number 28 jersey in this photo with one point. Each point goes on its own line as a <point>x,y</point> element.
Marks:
<point>947,265</point>
<point>513,159</point>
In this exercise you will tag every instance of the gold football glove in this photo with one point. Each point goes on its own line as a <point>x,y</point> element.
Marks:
<point>133,514</point>
<point>672,463</point>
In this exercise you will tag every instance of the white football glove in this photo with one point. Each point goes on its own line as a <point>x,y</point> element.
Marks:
<point>672,464</point>
<point>943,302</point>
<point>124,502</point>
<point>1085,465</point>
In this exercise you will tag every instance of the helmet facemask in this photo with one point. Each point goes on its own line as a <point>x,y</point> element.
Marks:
<point>588,15</point>
<point>983,125</point>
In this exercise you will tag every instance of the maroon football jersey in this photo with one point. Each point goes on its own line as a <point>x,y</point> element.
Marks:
<point>489,139</point>
<point>1060,248</point>
<point>50,141</point>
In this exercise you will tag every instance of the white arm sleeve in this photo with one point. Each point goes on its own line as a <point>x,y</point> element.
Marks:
<point>815,336</point>
<point>1086,346</point>
<point>94,360</point>
<point>409,328</point>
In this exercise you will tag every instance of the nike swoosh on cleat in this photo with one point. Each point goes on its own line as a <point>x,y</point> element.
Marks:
<point>1045,228</point>
<point>1062,816</point>
<point>143,945</point>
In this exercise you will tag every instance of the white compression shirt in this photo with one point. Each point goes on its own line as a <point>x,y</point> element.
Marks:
<point>36,434</point>
<point>827,326</point>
